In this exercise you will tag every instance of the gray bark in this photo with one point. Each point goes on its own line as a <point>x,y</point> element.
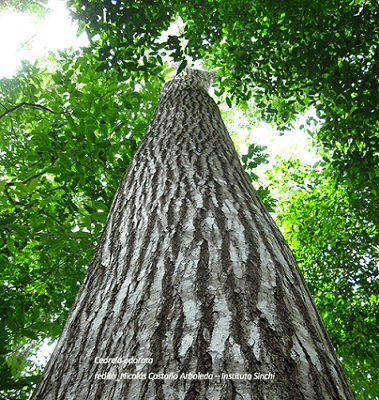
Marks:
<point>192,275</point>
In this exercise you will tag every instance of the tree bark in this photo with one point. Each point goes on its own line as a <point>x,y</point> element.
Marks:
<point>191,279</point>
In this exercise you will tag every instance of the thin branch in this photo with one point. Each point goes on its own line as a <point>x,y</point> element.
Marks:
<point>9,196</point>
<point>30,105</point>
<point>57,188</point>
<point>25,43</point>
<point>33,177</point>
<point>27,180</point>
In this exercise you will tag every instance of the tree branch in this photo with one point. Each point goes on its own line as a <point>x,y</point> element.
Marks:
<point>8,111</point>
<point>25,43</point>
<point>27,180</point>
<point>9,196</point>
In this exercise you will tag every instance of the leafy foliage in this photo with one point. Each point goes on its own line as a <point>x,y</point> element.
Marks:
<point>335,238</point>
<point>37,8</point>
<point>67,138</point>
<point>292,55</point>
<point>125,34</point>
<point>250,162</point>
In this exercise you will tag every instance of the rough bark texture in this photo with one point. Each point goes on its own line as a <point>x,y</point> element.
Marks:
<point>192,275</point>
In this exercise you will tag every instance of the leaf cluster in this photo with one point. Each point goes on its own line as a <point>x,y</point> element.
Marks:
<point>250,161</point>
<point>126,34</point>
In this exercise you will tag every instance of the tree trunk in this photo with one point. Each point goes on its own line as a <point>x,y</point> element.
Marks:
<point>192,292</point>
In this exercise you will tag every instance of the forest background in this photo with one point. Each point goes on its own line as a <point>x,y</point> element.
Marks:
<point>71,121</point>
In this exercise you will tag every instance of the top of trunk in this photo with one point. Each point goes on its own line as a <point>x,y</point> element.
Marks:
<point>191,79</point>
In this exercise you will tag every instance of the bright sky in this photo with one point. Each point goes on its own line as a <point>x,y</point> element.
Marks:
<point>56,32</point>
<point>293,143</point>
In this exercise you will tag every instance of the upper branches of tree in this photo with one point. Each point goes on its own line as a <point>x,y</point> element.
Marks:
<point>287,56</point>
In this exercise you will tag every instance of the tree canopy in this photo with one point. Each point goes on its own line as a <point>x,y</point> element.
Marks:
<point>70,126</point>
<point>37,8</point>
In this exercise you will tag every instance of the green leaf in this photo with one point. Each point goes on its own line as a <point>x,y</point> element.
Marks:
<point>10,244</point>
<point>87,222</point>
<point>65,160</point>
<point>57,77</point>
<point>81,235</point>
<point>29,334</point>
<point>55,170</point>
<point>2,185</point>
<point>32,185</point>
<point>21,187</point>
<point>181,67</point>
<point>100,216</point>
<point>99,205</point>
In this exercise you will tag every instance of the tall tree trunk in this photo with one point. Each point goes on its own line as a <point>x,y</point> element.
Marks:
<point>192,292</point>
